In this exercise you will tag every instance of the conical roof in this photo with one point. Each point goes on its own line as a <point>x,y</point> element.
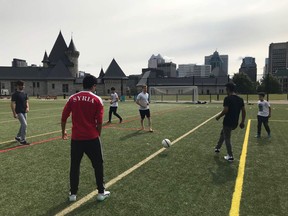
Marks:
<point>58,51</point>
<point>101,75</point>
<point>45,58</point>
<point>114,71</point>
<point>72,46</point>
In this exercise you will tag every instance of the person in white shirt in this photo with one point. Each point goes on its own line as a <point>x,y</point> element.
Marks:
<point>143,101</point>
<point>264,113</point>
<point>114,105</point>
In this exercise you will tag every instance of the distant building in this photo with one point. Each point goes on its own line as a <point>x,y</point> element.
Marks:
<point>206,85</point>
<point>249,67</point>
<point>168,68</point>
<point>219,64</point>
<point>158,63</point>
<point>155,60</point>
<point>265,69</point>
<point>282,76</point>
<point>278,57</point>
<point>19,63</point>
<point>113,77</point>
<point>188,70</point>
<point>59,74</point>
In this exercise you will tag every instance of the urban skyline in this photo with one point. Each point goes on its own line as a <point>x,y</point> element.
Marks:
<point>186,31</point>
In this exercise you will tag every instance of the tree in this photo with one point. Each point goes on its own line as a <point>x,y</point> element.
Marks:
<point>269,84</point>
<point>244,85</point>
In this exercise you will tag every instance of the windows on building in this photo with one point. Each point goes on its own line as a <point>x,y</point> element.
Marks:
<point>53,85</point>
<point>65,88</point>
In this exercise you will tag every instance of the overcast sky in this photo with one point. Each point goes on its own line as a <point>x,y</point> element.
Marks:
<point>132,30</point>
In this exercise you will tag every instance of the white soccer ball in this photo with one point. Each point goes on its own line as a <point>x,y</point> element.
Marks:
<point>166,143</point>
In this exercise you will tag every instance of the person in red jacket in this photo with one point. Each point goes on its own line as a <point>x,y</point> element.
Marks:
<point>87,117</point>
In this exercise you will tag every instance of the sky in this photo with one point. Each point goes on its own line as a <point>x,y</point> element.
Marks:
<point>183,31</point>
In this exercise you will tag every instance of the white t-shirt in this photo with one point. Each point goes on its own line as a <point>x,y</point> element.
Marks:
<point>143,98</point>
<point>114,97</point>
<point>263,108</point>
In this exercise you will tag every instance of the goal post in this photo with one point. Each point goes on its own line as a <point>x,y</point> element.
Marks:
<point>173,93</point>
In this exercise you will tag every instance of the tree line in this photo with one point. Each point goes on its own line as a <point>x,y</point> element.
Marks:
<point>268,84</point>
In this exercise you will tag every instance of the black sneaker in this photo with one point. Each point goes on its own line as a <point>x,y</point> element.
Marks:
<point>17,139</point>
<point>24,142</point>
<point>229,158</point>
<point>217,150</point>
<point>120,120</point>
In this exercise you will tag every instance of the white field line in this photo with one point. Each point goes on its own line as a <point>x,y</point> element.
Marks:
<point>38,135</point>
<point>127,172</point>
<point>40,117</point>
<point>34,110</point>
<point>44,134</point>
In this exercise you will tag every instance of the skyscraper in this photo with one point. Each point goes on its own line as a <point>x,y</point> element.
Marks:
<point>189,70</point>
<point>219,64</point>
<point>155,60</point>
<point>249,67</point>
<point>278,57</point>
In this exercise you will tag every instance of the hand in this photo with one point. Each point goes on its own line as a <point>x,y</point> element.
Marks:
<point>15,115</point>
<point>111,102</point>
<point>27,109</point>
<point>241,125</point>
<point>65,135</point>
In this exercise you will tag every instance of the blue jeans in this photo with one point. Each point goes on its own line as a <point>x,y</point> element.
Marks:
<point>23,126</point>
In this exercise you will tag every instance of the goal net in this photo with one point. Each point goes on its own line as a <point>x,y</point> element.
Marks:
<point>173,93</point>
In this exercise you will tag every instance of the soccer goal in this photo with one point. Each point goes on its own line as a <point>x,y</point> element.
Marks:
<point>173,93</point>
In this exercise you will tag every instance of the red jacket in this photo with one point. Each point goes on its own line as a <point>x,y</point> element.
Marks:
<point>87,112</point>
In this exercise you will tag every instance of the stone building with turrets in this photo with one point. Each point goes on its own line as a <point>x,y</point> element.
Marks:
<point>59,74</point>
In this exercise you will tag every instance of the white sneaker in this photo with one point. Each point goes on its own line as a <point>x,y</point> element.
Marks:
<point>229,158</point>
<point>72,197</point>
<point>103,196</point>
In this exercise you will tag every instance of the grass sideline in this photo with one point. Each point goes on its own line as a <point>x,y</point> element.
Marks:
<point>187,179</point>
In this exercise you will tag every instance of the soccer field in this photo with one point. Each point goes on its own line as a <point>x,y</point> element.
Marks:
<point>186,179</point>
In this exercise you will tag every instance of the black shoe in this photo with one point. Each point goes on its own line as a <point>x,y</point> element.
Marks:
<point>121,120</point>
<point>217,150</point>
<point>17,139</point>
<point>24,142</point>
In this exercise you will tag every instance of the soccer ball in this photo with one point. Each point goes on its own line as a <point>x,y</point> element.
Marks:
<point>166,143</point>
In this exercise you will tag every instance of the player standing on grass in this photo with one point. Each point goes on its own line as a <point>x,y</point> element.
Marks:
<point>233,105</point>
<point>264,113</point>
<point>114,105</point>
<point>143,101</point>
<point>20,108</point>
<point>87,116</point>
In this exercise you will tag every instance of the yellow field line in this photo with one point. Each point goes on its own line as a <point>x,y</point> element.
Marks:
<point>235,205</point>
<point>127,172</point>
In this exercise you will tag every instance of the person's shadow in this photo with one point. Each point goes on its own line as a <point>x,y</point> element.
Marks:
<point>133,134</point>
<point>225,171</point>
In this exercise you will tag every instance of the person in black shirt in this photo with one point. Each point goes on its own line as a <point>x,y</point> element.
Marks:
<point>20,108</point>
<point>233,105</point>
